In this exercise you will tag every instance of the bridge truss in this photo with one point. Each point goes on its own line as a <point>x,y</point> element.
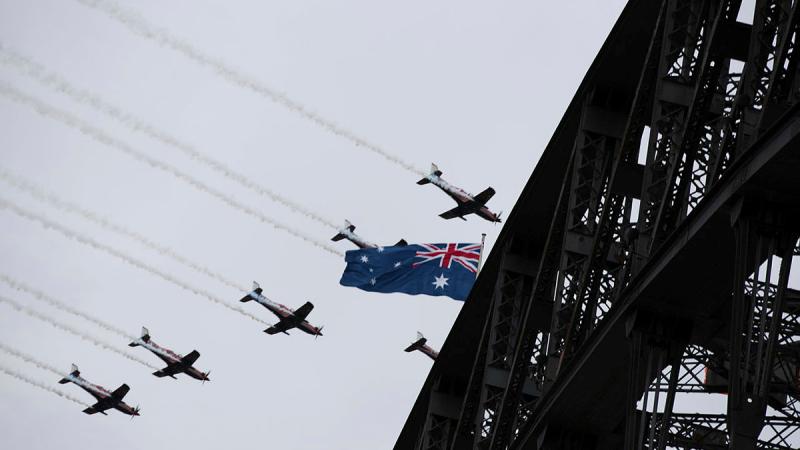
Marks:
<point>647,262</point>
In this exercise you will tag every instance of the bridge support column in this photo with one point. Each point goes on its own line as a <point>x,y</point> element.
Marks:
<point>764,248</point>
<point>442,418</point>
<point>655,343</point>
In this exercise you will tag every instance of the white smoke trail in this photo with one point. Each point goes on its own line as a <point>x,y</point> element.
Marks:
<point>58,83</point>
<point>31,360</point>
<point>42,297</point>
<point>102,137</point>
<point>47,223</point>
<point>21,377</point>
<point>52,199</point>
<point>138,25</point>
<point>64,327</point>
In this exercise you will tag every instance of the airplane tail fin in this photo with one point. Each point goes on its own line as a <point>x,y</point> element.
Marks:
<point>418,343</point>
<point>145,337</point>
<point>347,226</point>
<point>256,289</point>
<point>434,172</point>
<point>73,372</point>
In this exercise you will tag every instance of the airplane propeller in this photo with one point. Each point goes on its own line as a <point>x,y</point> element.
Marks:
<point>203,381</point>
<point>319,332</point>
<point>135,412</point>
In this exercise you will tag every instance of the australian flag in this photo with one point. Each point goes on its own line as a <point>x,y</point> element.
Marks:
<point>432,269</point>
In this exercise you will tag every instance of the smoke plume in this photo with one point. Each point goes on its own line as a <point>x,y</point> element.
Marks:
<point>138,25</point>
<point>31,360</point>
<point>58,83</point>
<point>97,134</point>
<point>69,329</point>
<point>69,233</point>
<point>24,378</point>
<point>42,297</point>
<point>53,200</point>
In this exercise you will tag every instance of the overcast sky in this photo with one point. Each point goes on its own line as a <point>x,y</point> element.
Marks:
<point>476,87</point>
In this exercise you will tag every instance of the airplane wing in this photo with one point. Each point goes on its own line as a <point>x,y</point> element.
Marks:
<point>484,196</point>
<point>302,312</point>
<point>120,392</point>
<point>458,211</point>
<point>279,327</point>
<point>169,371</point>
<point>98,407</point>
<point>190,358</point>
<point>417,344</point>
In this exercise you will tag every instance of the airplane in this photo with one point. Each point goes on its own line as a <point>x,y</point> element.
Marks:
<point>175,363</point>
<point>105,399</point>
<point>288,318</point>
<point>420,344</point>
<point>467,203</point>
<point>347,232</point>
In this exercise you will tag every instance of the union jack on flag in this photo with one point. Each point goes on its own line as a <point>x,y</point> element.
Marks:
<point>433,269</point>
<point>468,255</point>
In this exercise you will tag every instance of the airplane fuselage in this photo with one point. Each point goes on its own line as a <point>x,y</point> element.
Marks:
<point>356,239</point>
<point>102,395</point>
<point>284,313</point>
<point>432,354</point>
<point>173,359</point>
<point>462,197</point>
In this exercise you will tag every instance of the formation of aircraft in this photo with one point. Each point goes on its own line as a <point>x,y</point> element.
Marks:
<point>288,318</point>
<point>348,232</point>
<point>467,203</point>
<point>421,345</point>
<point>105,399</point>
<point>175,363</point>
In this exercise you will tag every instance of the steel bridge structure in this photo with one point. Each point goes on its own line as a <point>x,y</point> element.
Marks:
<point>647,262</point>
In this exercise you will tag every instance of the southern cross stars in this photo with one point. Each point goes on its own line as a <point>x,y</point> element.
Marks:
<point>440,282</point>
<point>398,264</point>
<point>364,258</point>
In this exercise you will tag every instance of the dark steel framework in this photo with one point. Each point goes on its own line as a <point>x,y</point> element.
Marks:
<point>655,262</point>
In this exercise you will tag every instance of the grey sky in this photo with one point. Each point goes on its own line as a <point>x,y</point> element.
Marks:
<point>475,87</point>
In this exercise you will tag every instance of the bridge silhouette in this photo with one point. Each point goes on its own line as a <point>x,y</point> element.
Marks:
<point>648,258</point>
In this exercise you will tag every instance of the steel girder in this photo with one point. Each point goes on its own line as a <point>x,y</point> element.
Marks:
<point>770,58</point>
<point>681,124</point>
<point>487,383</point>
<point>762,243</point>
<point>709,431</point>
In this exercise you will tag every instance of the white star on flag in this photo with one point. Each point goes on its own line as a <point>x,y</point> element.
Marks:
<point>364,258</point>
<point>373,281</point>
<point>440,282</point>
<point>398,264</point>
